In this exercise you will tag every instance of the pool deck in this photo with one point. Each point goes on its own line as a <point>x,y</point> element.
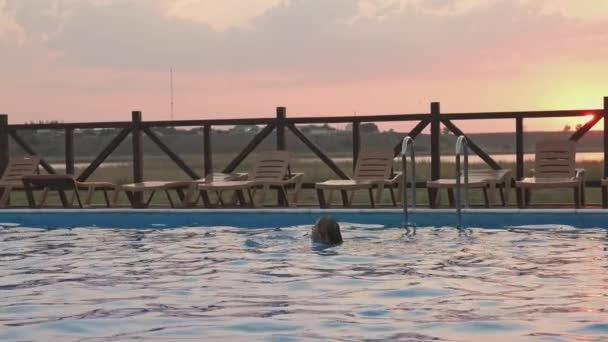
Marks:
<point>277,217</point>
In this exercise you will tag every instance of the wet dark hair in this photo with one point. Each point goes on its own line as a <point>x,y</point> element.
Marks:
<point>335,236</point>
<point>327,231</point>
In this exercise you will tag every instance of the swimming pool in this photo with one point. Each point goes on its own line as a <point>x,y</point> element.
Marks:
<point>268,282</point>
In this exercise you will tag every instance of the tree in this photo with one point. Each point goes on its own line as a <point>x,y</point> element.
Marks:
<point>567,128</point>
<point>369,128</point>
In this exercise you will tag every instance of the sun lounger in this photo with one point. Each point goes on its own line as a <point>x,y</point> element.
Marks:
<point>187,191</point>
<point>485,179</point>
<point>184,189</point>
<point>270,170</point>
<point>12,177</point>
<point>554,167</point>
<point>133,189</point>
<point>373,170</point>
<point>61,184</point>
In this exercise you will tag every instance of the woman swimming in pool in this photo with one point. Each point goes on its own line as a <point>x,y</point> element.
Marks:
<point>326,231</point>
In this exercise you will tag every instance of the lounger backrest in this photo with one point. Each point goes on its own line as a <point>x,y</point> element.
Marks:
<point>19,167</point>
<point>271,166</point>
<point>374,165</point>
<point>555,159</point>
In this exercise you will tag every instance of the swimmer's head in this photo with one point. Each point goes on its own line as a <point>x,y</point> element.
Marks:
<point>326,231</point>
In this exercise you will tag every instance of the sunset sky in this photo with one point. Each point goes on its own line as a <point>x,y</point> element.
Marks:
<point>96,60</point>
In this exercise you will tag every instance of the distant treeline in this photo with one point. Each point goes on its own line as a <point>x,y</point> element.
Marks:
<point>88,143</point>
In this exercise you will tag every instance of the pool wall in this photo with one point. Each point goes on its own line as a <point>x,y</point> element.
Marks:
<point>259,218</point>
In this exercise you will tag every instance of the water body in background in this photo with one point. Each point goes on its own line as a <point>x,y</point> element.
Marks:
<point>473,158</point>
<point>61,166</point>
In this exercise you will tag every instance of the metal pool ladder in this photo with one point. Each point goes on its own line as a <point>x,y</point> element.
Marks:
<point>462,148</point>
<point>407,147</point>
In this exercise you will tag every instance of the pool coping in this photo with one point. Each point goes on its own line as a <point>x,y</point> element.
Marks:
<point>281,217</point>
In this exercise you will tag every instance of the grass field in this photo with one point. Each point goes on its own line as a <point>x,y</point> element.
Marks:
<point>162,168</point>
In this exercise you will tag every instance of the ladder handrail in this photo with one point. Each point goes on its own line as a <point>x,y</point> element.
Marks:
<point>407,147</point>
<point>462,147</point>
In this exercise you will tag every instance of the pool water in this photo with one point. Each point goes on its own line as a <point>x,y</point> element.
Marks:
<point>85,284</point>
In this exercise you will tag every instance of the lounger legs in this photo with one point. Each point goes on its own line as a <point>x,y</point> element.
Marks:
<point>184,199</point>
<point>321,197</point>
<point>434,200</point>
<point>238,194</point>
<point>251,198</point>
<point>486,200</point>
<point>527,196</point>
<point>524,197</point>
<point>432,197</point>
<point>296,191</point>
<point>133,200</point>
<point>577,197</point>
<point>240,197</point>
<point>78,200</point>
<point>62,197</point>
<point>5,198</point>
<point>169,199</point>
<point>283,199</point>
<point>205,197</point>
<point>106,198</point>
<point>451,198</point>
<point>345,201</point>
<point>379,194</point>
<point>115,197</point>
<point>393,198</point>
<point>324,203</point>
<point>130,198</point>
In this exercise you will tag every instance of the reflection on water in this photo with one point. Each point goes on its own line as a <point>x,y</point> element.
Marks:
<point>251,284</point>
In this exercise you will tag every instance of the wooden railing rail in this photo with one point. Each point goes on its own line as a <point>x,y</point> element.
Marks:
<point>280,124</point>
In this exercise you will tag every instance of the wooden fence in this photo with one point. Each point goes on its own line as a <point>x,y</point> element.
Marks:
<point>281,123</point>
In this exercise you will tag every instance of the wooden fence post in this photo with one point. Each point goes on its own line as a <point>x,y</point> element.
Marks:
<point>604,190</point>
<point>207,153</point>
<point>281,115</point>
<point>519,147</point>
<point>4,147</point>
<point>519,155</point>
<point>138,153</point>
<point>356,142</point>
<point>69,151</point>
<point>281,144</point>
<point>435,136</point>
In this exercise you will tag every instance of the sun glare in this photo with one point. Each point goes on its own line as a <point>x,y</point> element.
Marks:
<point>583,120</point>
<point>588,118</point>
<point>571,124</point>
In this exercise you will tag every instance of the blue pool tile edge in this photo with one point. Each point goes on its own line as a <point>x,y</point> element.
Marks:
<point>269,218</point>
